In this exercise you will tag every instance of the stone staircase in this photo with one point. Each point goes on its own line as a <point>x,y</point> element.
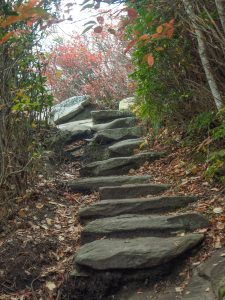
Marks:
<point>133,233</point>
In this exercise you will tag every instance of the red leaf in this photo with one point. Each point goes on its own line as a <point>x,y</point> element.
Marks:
<point>130,45</point>
<point>98,29</point>
<point>100,20</point>
<point>151,60</point>
<point>112,31</point>
<point>6,37</point>
<point>144,37</point>
<point>159,29</point>
<point>132,13</point>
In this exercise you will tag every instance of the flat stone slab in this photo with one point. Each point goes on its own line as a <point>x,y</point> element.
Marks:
<point>93,183</point>
<point>77,129</point>
<point>138,253</point>
<point>106,116</point>
<point>118,123</point>
<point>127,226</point>
<point>125,147</point>
<point>110,208</point>
<point>73,126</point>
<point>118,165</point>
<point>108,136</point>
<point>131,190</point>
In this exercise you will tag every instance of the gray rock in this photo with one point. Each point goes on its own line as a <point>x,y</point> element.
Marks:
<point>114,135</point>
<point>118,165</point>
<point>208,281</point>
<point>72,109</point>
<point>77,129</point>
<point>199,289</point>
<point>74,126</point>
<point>118,123</point>
<point>93,183</point>
<point>125,147</point>
<point>69,108</point>
<point>138,253</point>
<point>110,208</point>
<point>127,226</point>
<point>126,103</point>
<point>131,190</point>
<point>106,116</point>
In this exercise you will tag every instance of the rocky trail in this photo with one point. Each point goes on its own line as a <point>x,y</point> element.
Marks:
<point>133,235</point>
<point>133,238</point>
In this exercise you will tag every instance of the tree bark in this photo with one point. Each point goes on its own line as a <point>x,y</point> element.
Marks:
<point>220,4</point>
<point>203,54</point>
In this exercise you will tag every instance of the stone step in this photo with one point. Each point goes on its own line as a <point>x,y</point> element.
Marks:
<point>105,116</point>
<point>138,253</point>
<point>93,183</point>
<point>110,208</point>
<point>125,147</point>
<point>118,165</point>
<point>109,136</point>
<point>118,123</point>
<point>131,191</point>
<point>131,226</point>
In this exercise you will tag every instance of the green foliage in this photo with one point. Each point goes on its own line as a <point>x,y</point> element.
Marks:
<point>159,92</point>
<point>201,123</point>
<point>208,128</point>
<point>216,168</point>
<point>218,133</point>
<point>24,102</point>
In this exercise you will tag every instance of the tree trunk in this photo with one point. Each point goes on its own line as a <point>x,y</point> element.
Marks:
<point>203,54</point>
<point>220,4</point>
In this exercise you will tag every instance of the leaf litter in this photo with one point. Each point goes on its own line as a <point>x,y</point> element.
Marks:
<point>38,244</point>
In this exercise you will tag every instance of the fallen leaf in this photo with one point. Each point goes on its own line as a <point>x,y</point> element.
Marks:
<point>39,205</point>
<point>220,225</point>
<point>217,244</point>
<point>218,210</point>
<point>44,227</point>
<point>178,289</point>
<point>22,212</point>
<point>49,221</point>
<point>50,285</point>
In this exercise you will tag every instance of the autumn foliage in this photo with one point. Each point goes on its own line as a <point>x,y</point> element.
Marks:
<point>95,66</point>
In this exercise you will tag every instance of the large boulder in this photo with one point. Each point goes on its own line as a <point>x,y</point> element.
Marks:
<point>106,116</point>
<point>73,109</point>
<point>118,123</point>
<point>137,253</point>
<point>118,165</point>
